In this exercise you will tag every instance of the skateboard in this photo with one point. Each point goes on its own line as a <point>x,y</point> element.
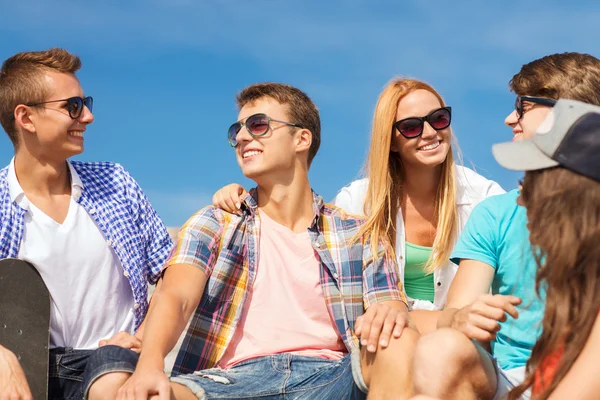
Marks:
<point>25,321</point>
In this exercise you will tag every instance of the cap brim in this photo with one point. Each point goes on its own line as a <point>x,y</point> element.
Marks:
<point>522,155</point>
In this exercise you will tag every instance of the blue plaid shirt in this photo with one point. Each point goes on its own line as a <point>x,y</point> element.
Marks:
<point>122,212</point>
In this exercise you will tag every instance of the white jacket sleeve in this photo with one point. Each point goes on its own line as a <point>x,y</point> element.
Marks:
<point>351,198</point>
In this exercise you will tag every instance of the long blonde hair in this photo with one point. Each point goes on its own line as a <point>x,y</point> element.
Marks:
<point>384,170</point>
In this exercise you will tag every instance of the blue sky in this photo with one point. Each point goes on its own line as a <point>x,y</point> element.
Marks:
<point>164,74</point>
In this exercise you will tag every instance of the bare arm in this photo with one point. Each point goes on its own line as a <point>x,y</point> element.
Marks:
<point>178,297</point>
<point>473,278</point>
<point>470,309</point>
<point>581,382</point>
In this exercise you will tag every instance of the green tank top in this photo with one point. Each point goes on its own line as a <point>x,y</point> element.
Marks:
<point>418,285</point>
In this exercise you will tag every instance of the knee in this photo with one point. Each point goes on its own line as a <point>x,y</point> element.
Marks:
<point>104,373</point>
<point>396,356</point>
<point>443,353</point>
<point>106,386</point>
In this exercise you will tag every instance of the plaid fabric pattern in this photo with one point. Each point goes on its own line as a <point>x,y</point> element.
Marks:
<point>122,212</point>
<point>225,247</point>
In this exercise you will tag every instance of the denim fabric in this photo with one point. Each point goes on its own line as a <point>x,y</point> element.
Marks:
<point>66,373</point>
<point>280,376</point>
<point>72,372</point>
<point>108,359</point>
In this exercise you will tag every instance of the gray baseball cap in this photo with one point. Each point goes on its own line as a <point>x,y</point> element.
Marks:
<point>569,136</point>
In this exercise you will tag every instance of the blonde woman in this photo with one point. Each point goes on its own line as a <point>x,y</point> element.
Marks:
<point>413,192</point>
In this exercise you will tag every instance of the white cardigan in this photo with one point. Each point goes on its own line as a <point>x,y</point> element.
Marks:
<point>471,189</point>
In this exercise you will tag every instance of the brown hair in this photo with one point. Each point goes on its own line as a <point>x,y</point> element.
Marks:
<point>300,108</point>
<point>22,81</point>
<point>384,170</point>
<point>572,76</point>
<point>563,209</point>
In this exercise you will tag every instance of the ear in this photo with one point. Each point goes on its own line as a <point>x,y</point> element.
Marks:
<point>23,118</point>
<point>303,140</point>
<point>393,148</point>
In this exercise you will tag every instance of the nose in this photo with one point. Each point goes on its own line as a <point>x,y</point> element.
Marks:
<point>428,131</point>
<point>512,118</point>
<point>86,116</point>
<point>243,136</point>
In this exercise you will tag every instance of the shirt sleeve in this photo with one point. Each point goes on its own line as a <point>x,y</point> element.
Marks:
<point>478,240</point>
<point>351,198</point>
<point>199,240</point>
<point>157,242</point>
<point>494,189</point>
<point>380,276</point>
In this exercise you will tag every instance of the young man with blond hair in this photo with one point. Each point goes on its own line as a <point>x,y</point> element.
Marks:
<point>87,227</point>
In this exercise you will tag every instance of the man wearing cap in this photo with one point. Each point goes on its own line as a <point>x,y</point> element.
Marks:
<point>562,182</point>
<point>492,317</point>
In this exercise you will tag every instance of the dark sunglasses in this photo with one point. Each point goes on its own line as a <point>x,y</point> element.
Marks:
<point>537,100</point>
<point>257,125</point>
<point>413,127</point>
<point>74,105</point>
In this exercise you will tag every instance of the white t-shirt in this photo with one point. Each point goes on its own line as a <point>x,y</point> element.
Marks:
<point>471,188</point>
<point>91,297</point>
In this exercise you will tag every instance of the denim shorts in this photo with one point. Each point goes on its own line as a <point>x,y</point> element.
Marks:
<point>72,372</point>
<point>280,376</point>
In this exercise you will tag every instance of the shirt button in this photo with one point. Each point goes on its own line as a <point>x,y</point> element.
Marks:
<point>335,275</point>
<point>126,274</point>
<point>92,210</point>
<point>136,306</point>
<point>439,283</point>
<point>109,242</point>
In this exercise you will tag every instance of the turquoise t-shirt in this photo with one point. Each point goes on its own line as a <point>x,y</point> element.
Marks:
<point>496,234</point>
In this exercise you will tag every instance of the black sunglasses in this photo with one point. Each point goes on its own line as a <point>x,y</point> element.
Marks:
<point>256,125</point>
<point>537,100</point>
<point>74,105</point>
<point>413,127</point>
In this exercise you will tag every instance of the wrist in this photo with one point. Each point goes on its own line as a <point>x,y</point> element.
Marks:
<point>151,361</point>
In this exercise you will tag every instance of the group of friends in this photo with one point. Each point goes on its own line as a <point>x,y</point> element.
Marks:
<point>422,280</point>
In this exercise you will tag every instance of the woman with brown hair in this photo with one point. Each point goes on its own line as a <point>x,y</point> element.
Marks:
<point>561,192</point>
<point>413,194</point>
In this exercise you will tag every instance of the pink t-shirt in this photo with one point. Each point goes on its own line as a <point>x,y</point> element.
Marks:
<point>285,311</point>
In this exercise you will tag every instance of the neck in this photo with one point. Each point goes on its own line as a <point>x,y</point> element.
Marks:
<point>41,176</point>
<point>421,183</point>
<point>289,204</point>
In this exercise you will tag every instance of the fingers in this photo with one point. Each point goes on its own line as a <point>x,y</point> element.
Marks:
<point>505,303</point>
<point>123,339</point>
<point>378,324</point>
<point>376,328</point>
<point>229,198</point>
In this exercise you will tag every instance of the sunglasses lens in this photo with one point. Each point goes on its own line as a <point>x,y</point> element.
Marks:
<point>89,103</point>
<point>440,119</point>
<point>232,133</point>
<point>257,124</point>
<point>75,105</point>
<point>411,127</point>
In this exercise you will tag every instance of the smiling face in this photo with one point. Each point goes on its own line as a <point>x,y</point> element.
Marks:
<point>277,151</point>
<point>50,131</point>
<point>431,148</point>
<point>533,115</point>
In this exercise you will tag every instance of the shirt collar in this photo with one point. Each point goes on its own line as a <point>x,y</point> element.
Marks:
<point>17,195</point>
<point>250,205</point>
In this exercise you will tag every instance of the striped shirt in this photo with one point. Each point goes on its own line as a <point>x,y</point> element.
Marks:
<point>121,210</point>
<point>225,248</point>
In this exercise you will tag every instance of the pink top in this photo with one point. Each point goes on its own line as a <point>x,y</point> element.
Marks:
<point>285,311</point>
